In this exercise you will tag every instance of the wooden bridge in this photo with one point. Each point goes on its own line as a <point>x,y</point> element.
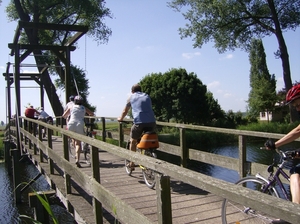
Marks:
<point>102,192</point>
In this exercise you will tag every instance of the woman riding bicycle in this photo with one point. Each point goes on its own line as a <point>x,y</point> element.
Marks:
<point>143,115</point>
<point>76,122</point>
<point>292,97</point>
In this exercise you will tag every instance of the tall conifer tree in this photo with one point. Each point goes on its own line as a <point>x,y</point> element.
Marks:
<point>262,96</point>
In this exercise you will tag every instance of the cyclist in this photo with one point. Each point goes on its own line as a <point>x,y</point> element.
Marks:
<point>69,105</point>
<point>76,122</point>
<point>143,115</point>
<point>292,97</point>
<point>32,113</point>
<point>43,115</point>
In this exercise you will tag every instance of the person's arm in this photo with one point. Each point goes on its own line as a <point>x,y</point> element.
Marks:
<point>89,112</point>
<point>289,137</point>
<point>66,113</point>
<point>124,113</point>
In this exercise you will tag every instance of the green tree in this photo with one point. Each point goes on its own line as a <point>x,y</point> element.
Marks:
<point>90,13</point>
<point>233,24</point>
<point>177,95</point>
<point>216,114</point>
<point>262,96</point>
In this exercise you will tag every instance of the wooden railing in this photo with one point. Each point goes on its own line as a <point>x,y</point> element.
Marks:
<point>102,197</point>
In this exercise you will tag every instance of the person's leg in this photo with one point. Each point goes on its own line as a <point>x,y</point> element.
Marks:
<point>295,187</point>
<point>133,144</point>
<point>78,151</point>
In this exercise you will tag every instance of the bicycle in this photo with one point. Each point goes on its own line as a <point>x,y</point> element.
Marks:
<point>268,185</point>
<point>146,145</point>
<point>85,147</point>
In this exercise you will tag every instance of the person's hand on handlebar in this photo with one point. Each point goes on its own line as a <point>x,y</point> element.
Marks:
<point>270,144</point>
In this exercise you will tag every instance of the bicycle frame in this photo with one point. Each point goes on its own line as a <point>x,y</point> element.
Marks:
<point>274,179</point>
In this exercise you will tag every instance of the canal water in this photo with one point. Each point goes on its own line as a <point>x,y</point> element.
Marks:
<point>9,213</point>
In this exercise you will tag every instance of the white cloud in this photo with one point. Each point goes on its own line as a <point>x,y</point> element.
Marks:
<point>145,48</point>
<point>190,55</point>
<point>227,57</point>
<point>213,84</point>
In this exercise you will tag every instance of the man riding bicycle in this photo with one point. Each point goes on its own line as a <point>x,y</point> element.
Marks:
<point>143,115</point>
<point>292,97</point>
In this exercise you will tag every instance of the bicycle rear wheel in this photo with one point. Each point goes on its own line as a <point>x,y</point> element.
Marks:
<point>86,152</point>
<point>233,212</point>
<point>148,174</point>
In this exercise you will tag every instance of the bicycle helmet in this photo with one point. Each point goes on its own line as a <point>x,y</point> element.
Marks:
<point>71,98</point>
<point>78,100</point>
<point>293,93</point>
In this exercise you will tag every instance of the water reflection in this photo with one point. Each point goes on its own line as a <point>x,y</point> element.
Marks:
<point>254,154</point>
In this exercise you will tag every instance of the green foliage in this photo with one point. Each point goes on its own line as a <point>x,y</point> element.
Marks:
<point>272,127</point>
<point>233,24</point>
<point>262,96</point>
<point>80,82</point>
<point>180,96</point>
<point>89,13</point>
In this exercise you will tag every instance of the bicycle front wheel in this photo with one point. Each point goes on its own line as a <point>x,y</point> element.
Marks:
<point>233,212</point>
<point>128,169</point>
<point>148,174</point>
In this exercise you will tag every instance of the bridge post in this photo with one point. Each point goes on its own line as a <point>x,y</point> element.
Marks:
<point>40,212</point>
<point>242,156</point>
<point>184,149</point>
<point>7,157</point>
<point>103,129</point>
<point>15,153</point>
<point>163,192</point>
<point>121,135</point>
<point>96,175</point>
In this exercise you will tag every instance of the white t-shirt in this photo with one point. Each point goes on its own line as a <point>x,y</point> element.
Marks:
<point>76,122</point>
<point>77,113</point>
<point>69,105</point>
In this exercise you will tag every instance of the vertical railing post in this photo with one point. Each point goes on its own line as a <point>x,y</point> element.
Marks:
<point>184,149</point>
<point>121,135</point>
<point>164,205</point>
<point>49,140</point>
<point>66,156</point>
<point>242,156</point>
<point>96,175</point>
<point>103,129</point>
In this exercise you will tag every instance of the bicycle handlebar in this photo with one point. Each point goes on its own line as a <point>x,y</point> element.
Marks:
<point>292,154</point>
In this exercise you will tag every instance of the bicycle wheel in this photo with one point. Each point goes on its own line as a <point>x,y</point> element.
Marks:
<point>127,162</point>
<point>72,149</point>
<point>86,152</point>
<point>233,212</point>
<point>148,174</point>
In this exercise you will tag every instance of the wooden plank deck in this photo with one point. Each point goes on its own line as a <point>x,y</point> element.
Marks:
<point>189,204</point>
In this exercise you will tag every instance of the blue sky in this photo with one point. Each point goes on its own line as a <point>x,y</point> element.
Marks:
<point>145,40</point>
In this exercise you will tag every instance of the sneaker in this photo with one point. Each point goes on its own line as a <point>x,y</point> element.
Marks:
<point>78,165</point>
